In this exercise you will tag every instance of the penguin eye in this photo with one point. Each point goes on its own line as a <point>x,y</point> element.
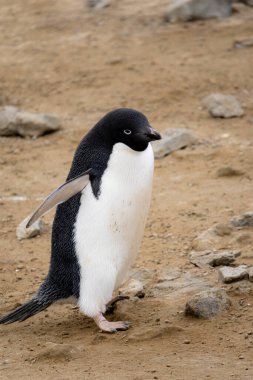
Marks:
<point>127,131</point>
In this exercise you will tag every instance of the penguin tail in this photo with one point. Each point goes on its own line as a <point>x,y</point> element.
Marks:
<point>25,311</point>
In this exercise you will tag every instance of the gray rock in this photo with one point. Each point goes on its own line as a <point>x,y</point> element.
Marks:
<point>229,274</point>
<point>208,304</point>
<point>245,220</point>
<point>224,106</point>
<point>243,43</point>
<point>250,272</point>
<point>26,233</point>
<point>144,275</point>
<point>212,238</point>
<point>190,10</point>
<point>173,139</point>
<point>186,283</point>
<point>166,274</point>
<point>98,4</point>
<point>14,122</point>
<point>132,287</point>
<point>213,258</point>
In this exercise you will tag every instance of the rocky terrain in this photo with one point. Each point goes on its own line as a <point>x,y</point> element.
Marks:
<point>191,289</point>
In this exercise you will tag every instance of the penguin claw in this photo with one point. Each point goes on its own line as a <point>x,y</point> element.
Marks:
<point>114,326</point>
<point>111,327</point>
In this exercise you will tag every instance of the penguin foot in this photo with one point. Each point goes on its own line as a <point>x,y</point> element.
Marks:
<point>110,327</point>
<point>111,305</point>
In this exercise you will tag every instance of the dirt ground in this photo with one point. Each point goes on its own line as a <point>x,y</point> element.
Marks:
<point>61,58</point>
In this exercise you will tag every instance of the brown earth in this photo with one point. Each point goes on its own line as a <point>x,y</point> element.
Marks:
<point>59,57</point>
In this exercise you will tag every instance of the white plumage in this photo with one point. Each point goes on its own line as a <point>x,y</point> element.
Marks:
<point>108,230</point>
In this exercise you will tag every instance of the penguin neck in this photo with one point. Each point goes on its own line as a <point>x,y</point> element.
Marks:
<point>129,164</point>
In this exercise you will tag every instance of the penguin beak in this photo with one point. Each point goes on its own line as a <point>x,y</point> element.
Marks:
<point>152,135</point>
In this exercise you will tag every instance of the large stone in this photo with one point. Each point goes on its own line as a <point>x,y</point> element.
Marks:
<point>14,122</point>
<point>208,304</point>
<point>229,274</point>
<point>223,106</point>
<point>172,140</point>
<point>213,258</point>
<point>26,233</point>
<point>244,220</point>
<point>190,10</point>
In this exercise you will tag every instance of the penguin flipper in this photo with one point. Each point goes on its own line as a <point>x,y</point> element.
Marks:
<point>60,195</point>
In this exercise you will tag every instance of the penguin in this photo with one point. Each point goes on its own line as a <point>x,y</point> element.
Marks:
<point>100,218</point>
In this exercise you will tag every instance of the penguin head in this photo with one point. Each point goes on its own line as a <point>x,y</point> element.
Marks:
<point>127,126</point>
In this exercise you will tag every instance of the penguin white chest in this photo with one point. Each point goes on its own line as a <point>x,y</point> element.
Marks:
<point>109,229</point>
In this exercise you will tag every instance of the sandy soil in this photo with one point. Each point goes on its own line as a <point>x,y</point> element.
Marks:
<point>59,57</point>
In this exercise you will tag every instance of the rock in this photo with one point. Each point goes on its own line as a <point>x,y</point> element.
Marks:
<point>212,238</point>
<point>245,220</point>
<point>224,106</point>
<point>144,275</point>
<point>250,273</point>
<point>190,10</point>
<point>208,304</point>
<point>173,139</point>
<point>188,282</point>
<point>213,258</point>
<point>26,233</point>
<point>229,274</point>
<point>169,275</point>
<point>98,4</point>
<point>14,122</point>
<point>243,43</point>
<point>133,287</point>
<point>228,171</point>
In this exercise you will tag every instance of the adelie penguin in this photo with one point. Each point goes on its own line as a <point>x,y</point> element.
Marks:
<point>100,218</point>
